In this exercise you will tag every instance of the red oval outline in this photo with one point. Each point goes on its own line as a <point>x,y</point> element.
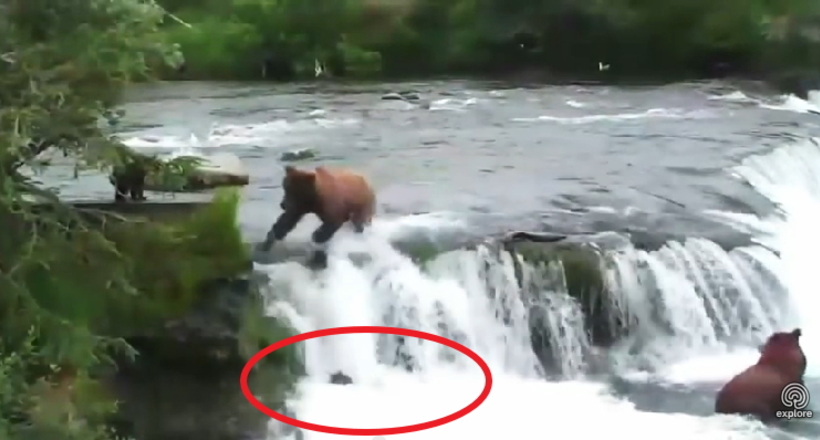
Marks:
<point>488,380</point>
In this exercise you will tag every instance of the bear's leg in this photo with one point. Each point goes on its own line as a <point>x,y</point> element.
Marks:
<point>360,219</point>
<point>138,183</point>
<point>321,236</point>
<point>120,190</point>
<point>281,228</point>
<point>358,227</point>
<point>138,190</point>
<point>325,232</point>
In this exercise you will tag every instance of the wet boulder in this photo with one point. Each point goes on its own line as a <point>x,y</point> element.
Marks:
<point>405,95</point>
<point>534,237</point>
<point>566,274</point>
<point>580,268</point>
<point>197,316</point>
<point>208,172</point>
<point>222,169</point>
<point>183,383</point>
<point>210,333</point>
<point>295,155</point>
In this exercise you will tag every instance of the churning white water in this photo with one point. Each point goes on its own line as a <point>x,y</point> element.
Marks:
<point>520,406</point>
<point>694,312</point>
<point>790,178</point>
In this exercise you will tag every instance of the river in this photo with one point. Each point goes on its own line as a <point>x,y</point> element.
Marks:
<point>713,188</point>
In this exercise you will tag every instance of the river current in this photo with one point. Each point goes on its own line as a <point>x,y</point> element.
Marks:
<point>712,188</point>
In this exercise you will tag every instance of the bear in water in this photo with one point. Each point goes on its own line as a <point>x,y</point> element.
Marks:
<point>336,196</point>
<point>757,390</point>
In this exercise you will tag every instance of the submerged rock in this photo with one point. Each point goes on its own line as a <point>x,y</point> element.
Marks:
<point>401,96</point>
<point>300,154</point>
<point>410,95</point>
<point>535,237</point>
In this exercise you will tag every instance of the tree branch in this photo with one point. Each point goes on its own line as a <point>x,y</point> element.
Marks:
<point>34,148</point>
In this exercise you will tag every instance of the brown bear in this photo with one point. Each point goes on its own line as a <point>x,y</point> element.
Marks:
<point>336,196</point>
<point>757,390</point>
<point>130,172</point>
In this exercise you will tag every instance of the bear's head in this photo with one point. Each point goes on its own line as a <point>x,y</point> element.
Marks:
<point>782,352</point>
<point>300,192</point>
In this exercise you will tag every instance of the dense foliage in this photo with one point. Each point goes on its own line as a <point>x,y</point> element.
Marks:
<point>357,38</point>
<point>73,281</point>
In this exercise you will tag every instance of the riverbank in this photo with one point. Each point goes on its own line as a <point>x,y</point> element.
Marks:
<point>363,39</point>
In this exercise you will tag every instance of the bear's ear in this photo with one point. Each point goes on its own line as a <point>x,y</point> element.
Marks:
<point>797,333</point>
<point>289,169</point>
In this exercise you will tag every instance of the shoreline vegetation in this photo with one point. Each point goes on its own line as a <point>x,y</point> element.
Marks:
<point>91,299</point>
<point>106,306</point>
<point>591,40</point>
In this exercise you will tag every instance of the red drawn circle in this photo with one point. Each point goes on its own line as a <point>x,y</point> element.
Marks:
<point>488,380</point>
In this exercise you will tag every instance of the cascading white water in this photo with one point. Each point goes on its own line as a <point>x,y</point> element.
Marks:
<point>472,296</point>
<point>449,298</point>
<point>790,178</point>
<point>692,298</point>
<point>693,311</point>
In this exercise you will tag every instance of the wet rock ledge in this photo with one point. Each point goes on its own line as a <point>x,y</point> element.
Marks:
<point>183,384</point>
<point>204,319</point>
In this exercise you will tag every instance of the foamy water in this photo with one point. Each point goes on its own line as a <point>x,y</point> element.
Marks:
<point>388,289</point>
<point>655,113</point>
<point>271,134</point>
<point>516,409</point>
<point>715,367</point>
<point>790,177</point>
<point>383,396</point>
<point>789,103</point>
<point>482,306</point>
<point>520,403</point>
<point>736,96</point>
<point>281,133</point>
<point>794,104</point>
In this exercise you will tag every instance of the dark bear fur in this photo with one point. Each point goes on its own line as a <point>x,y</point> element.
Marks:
<point>757,390</point>
<point>128,176</point>
<point>335,196</point>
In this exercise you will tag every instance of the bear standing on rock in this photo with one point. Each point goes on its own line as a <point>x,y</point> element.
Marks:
<point>336,196</point>
<point>130,173</point>
<point>758,391</point>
